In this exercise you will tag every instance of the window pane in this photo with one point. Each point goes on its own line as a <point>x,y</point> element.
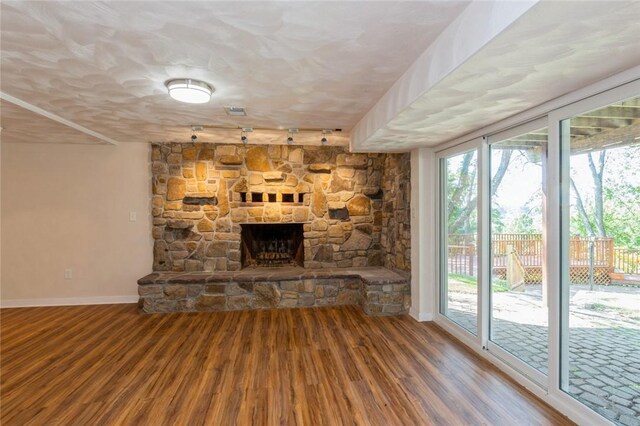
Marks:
<point>459,285</point>
<point>601,261</point>
<point>519,315</point>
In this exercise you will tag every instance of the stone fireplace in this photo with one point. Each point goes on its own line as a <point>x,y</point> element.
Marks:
<point>224,215</point>
<point>272,244</point>
<point>204,193</point>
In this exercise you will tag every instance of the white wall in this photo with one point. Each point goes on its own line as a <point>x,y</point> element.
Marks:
<point>424,238</point>
<point>67,206</point>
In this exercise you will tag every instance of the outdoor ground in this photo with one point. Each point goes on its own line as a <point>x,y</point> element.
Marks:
<point>604,338</point>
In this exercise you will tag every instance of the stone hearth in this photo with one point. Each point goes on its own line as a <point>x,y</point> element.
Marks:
<point>378,290</point>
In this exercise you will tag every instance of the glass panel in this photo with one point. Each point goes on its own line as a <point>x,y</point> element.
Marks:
<point>601,261</point>
<point>459,285</point>
<point>519,315</point>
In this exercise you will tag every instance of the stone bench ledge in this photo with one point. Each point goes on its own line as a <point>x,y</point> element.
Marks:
<point>370,275</point>
<point>379,291</point>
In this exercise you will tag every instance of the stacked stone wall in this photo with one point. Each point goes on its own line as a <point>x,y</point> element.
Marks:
<point>202,193</point>
<point>396,212</point>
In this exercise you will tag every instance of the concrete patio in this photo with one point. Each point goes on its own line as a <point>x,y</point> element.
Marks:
<point>604,341</point>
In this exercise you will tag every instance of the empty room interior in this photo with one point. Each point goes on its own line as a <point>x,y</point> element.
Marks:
<point>320,213</point>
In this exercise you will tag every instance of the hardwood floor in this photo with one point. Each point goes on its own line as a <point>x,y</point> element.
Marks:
<point>110,365</point>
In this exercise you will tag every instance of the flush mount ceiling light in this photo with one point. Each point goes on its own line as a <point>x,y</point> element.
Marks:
<point>189,90</point>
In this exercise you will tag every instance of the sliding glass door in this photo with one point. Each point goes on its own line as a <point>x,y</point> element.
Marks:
<point>519,314</point>
<point>458,237</point>
<point>600,320</point>
<point>539,257</point>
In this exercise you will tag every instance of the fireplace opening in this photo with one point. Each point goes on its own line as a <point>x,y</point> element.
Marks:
<point>265,244</point>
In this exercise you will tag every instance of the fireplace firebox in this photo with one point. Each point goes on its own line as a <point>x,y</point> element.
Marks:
<point>266,244</point>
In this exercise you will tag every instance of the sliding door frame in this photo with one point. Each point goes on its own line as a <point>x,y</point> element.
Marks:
<point>558,256</point>
<point>548,388</point>
<point>536,376</point>
<point>442,258</point>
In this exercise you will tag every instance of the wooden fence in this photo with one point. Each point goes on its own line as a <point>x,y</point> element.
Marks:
<point>462,260</point>
<point>626,260</point>
<point>530,252</point>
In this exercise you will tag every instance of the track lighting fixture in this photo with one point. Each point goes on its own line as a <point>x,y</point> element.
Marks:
<point>243,134</point>
<point>194,129</point>
<point>325,132</point>
<point>289,137</point>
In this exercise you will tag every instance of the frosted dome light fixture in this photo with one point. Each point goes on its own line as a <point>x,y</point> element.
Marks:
<point>189,90</point>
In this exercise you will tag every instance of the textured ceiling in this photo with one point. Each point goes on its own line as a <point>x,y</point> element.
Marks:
<point>21,125</point>
<point>553,49</point>
<point>103,65</point>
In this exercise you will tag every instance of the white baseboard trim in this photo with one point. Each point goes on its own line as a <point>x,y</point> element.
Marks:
<point>68,301</point>
<point>420,316</point>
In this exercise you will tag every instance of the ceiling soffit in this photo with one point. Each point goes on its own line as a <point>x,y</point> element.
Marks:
<point>541,56</point>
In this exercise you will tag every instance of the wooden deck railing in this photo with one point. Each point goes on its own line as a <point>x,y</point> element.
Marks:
<point>462,251</point>
<point>626,260</point>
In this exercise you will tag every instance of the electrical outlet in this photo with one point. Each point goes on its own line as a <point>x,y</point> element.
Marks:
<point>133,216</point>
<point>68,274</point>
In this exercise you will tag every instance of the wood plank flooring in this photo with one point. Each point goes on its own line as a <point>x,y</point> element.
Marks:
<point>107,364</point>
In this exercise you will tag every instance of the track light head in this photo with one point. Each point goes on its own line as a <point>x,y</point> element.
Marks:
<point>325,132</point>
<point>289,137</point>
<point>243,134</point>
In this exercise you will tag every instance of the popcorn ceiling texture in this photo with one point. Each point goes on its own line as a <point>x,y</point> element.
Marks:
<point>20,125</point>
<point>103,64</point>
<point>369,191</point>
<point>540,57</point>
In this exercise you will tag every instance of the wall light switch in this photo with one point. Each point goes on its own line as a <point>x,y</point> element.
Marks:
<point>68,274</point>
<point>133,216</point>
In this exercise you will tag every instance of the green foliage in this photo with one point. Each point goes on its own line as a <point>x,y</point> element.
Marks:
<point>621,199</point>
<point>497,225</point>
<point>462,194</point>
<point>464,279</point>
<point>622,213</point>
<point>498,285</point>
<point>523,224</point>
<point>577,226</point>
<point>530,219</point>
